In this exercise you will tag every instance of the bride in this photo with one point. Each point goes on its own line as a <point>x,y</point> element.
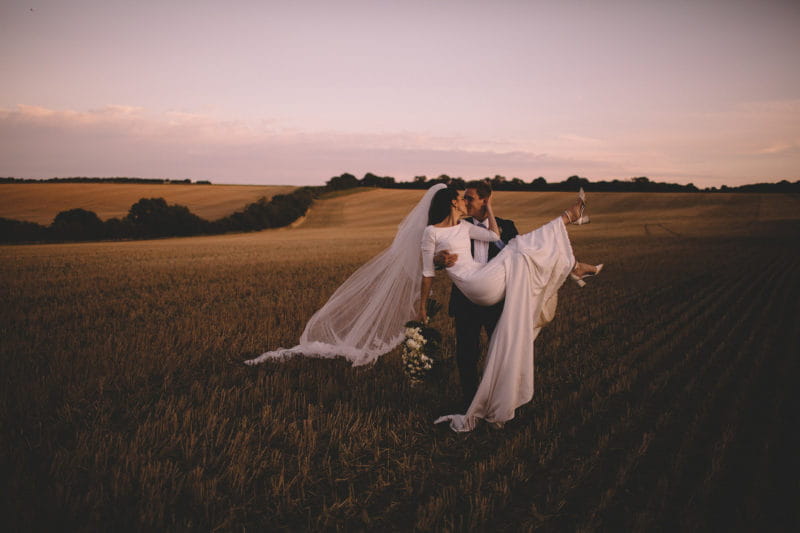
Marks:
<point>527,273</point>
<point>365,316</point>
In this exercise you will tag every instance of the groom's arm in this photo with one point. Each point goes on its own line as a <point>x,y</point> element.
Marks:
<point>444,259</point>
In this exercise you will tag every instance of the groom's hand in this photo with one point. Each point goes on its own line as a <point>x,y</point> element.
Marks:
<point>444,259</point>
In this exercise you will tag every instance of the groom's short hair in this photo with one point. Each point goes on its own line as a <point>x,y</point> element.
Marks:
<point>483,187</point>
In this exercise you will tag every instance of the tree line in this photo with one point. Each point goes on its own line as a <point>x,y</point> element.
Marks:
<point>154,217</point>
<point>499,183</point>
<point>83,179</point>
<point>572,183</point>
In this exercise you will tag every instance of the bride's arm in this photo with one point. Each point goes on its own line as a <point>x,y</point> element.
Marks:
<point>490,234</point>
<point>422,312</point>
<point>490,216</point>
<point>428,246</point>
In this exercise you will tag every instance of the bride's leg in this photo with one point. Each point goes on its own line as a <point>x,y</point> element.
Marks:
<point>574,213</point>
<point>582,269</point>
<point>485,286</point>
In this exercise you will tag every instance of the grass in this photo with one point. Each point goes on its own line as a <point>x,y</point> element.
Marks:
<point>41,202</point>
<point>662,388</point>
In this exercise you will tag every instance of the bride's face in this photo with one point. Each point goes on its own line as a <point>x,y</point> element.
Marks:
<point>459,205</point>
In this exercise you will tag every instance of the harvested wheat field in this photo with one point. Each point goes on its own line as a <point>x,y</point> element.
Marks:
<point>41,202</point>
<point>663,389</point>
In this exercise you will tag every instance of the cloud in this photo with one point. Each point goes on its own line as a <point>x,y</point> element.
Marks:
<point>124,140</point>
<point>781,148</point>
<point>579,139</point>
<point>751,142</point>
<point>745,142</point>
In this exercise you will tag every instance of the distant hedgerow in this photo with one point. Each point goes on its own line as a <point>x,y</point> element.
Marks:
<point>154,217</point>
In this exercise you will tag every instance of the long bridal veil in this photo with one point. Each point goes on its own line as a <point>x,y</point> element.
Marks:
<point>365,317</point>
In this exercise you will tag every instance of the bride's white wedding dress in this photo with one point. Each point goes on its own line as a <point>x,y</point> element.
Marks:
<point>366,315</point>
<point>527,273</point>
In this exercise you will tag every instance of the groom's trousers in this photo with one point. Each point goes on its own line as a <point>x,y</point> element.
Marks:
<point>470,320</point>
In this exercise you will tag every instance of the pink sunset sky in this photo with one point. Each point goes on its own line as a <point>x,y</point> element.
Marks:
<point>279,92</point>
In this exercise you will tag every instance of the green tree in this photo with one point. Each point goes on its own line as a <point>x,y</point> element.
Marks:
<point>154,218</point>
<point>345,181</point>
<point>77,225</point>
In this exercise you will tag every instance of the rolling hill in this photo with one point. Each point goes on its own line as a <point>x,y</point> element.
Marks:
<point>41,202</point>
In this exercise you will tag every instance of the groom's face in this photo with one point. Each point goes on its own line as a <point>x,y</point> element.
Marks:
<point>476,206</point>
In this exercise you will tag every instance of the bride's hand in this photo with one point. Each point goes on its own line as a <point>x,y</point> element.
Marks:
<point>492,221</point>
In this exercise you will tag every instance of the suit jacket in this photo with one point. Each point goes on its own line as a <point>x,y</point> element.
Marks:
<point>460,303</point>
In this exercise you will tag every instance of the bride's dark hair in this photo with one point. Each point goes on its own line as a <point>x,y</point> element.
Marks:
<point>440,205</point>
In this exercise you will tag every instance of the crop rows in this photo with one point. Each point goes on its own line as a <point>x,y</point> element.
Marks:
<point>663,396</point>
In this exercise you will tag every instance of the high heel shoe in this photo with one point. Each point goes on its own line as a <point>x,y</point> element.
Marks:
<point>579,279</point>
<point>582,219</point>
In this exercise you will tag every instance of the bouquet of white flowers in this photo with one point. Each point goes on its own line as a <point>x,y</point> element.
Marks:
<point>421,347</point>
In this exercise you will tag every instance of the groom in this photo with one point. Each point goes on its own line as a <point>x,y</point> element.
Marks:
<point>469,317</point>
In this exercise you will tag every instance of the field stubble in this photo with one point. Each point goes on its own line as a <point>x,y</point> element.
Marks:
<point>662,389</point>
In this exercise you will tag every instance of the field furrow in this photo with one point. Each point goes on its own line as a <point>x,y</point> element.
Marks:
<point>633,434</point>
<point>646,388</point>
<point>738,410</point>
<point>707,394</point>
<point>703,390</point>
<point>544,454</point>
<point>664,389</point>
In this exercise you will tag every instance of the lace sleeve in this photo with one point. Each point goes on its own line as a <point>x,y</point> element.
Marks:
<point>428,249</point>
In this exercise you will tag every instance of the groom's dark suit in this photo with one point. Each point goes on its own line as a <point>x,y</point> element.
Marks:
<point>470,318</point>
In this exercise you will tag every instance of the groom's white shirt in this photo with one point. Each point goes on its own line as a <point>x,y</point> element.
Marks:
<point>480,249</point>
